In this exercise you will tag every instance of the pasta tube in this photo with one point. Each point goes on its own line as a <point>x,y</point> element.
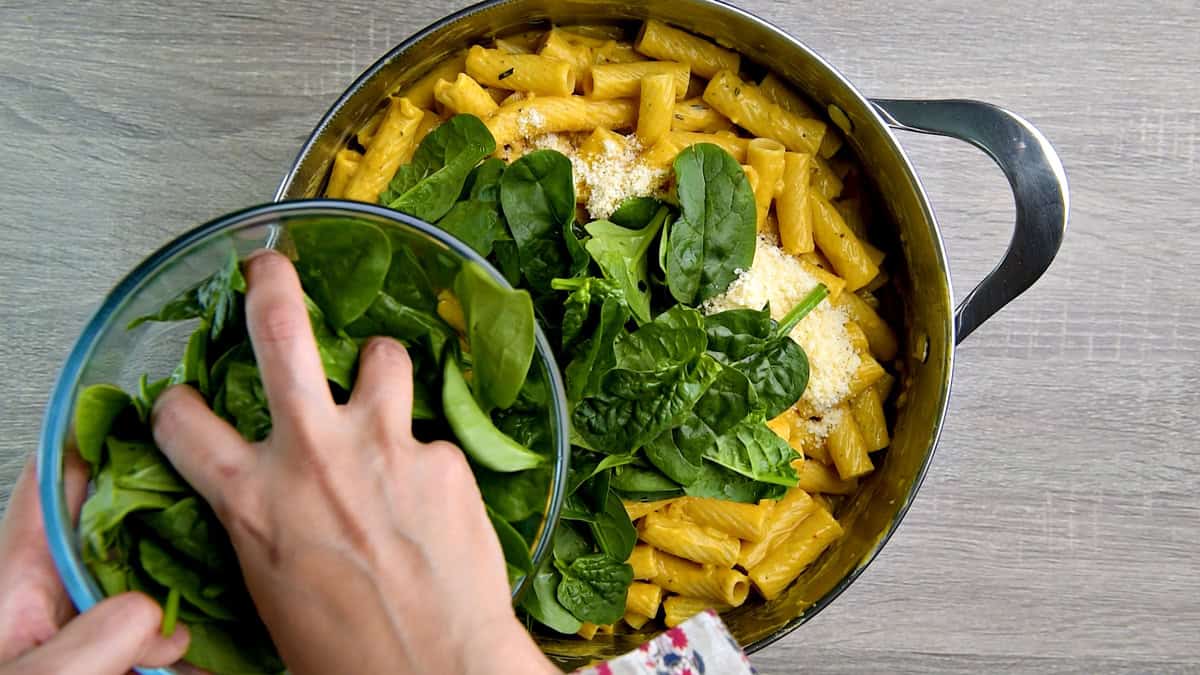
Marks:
<point>732,144</point>
<point>744,521</point>
<point>554,114</point>
<point>694,114</point>
<point>643,599</point>
<point>420,93</point>
<point>520,72</point>
<point>645,563</point>
<point>465,95</point>
<point>847,447</point>
<point>680,608</point>
<point>816,477</point>
<point>806,543</point>
<point>655,108</point>
<point>638,509</point>
<point>795,217</point>
<point>691,541</point>
<point>867,408</point>
<point>715,584</point>
<point>393,145</point>
<point>345,163</point>
<point>879,334</point>
<point>767,158</point>
<point>660,41</point>
<point>580,56</point>
<point>795,506</point>
<point>623,80</point>
<point>838,243</point>
<point>748,108</point>
<point>615,52</point>
<point>635,620</point>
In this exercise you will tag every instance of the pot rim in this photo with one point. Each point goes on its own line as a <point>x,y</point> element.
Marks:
<point>910,175</point>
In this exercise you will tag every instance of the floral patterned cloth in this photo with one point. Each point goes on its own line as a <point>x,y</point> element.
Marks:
<point>699,646</point>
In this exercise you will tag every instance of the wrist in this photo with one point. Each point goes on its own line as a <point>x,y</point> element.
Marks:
<point>508,649</point>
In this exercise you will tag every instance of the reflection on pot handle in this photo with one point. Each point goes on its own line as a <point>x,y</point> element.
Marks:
<point>1035,174</point>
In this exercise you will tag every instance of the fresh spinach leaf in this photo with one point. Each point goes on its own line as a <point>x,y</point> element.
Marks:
<point>407,280</point>
<point>500,330</point>
<point>246,401</point>
<point>675,338</point>
<point>753,450</point>
<point>211,597</point>
<point>139,465</point>
<point>778,374</point>
<point>148,393</point>
<point>718,483</point>
<point>476,224</point>
<point>97,409</point>
<point>593,588</point>
<point>569,543</point>
<point>636,212</point>
<point>542,603</point>
<point>736,334</point>
<point>429,185</point>
<point>621,255</point>
<point>537,193</point>
<point>109,505</point>
<point>634,407</point>
<point>483,183</point>
<point>387,316</point>
<point>584,291</point>
<point>191,528</point>
<point>342,263</point>
<point>476,433</point>
<point>193,369</point>
<point>713,238</point>
<point>595,357</point>
<point>613,531</point>
<point>339,353</point>
<point>221,647</point>
<point>667,457</point>
<point>514,546</point>
<point>514,496</point>
<point>215,299</point>
<point>634,479</point>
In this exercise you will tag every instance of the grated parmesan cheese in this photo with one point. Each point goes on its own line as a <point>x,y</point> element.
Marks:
<point>777,278</point>
<point>612,177</point>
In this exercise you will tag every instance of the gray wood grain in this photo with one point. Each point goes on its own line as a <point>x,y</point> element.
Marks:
<point>1058,530</point>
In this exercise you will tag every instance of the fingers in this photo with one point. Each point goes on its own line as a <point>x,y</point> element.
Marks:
<point>202,447</point>
<point>384,387</point>
<point>110,639</point>
<point>283,340</point>
<point>75,480</point>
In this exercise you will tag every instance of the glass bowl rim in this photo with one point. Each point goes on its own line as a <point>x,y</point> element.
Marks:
<point>57,420</point>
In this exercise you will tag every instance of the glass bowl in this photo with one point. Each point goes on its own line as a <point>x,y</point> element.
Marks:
<point>108,353</point>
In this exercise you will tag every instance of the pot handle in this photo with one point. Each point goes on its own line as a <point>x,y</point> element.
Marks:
<point>1039,186</point>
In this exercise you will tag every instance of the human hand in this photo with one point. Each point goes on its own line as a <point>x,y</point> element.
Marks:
<point>37,632</point>
<point>364,550</point>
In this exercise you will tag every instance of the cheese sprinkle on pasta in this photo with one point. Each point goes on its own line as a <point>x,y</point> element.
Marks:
<point>778,278</point>
<point>609,178</point>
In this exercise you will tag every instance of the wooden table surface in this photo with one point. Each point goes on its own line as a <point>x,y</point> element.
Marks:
<point>1059,527</point>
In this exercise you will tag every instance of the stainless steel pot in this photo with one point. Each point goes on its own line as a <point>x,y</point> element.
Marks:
<point>932,326</point>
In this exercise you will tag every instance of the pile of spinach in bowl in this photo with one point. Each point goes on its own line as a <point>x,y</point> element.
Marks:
<point>144,528</point>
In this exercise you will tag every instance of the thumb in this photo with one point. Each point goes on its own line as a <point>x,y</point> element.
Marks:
<point>109,639</point>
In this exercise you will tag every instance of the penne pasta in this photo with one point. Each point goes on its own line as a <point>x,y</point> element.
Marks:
<point>680,608</point>
<point>817,477</point>
<point>554,114</point>
<point>748,108</point>
<point>420,93</point>
<point>464,95</point>
<point>795,216</point>
<point>867,408</point>
<point>580,56</point>
<point>767,158</point>
<point>393,145</point>
<point>645,563</point>
<point>635,620</point>
<point>735,146</point>
<point>660,41</point>
<point>531,73</point>
<point>655,107</point>
<point>624,80</point>
<point>880,336</point>
<point>693,114</point>
<point>345,163</point>
<point>844,250</point>
<point>847,447</point>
